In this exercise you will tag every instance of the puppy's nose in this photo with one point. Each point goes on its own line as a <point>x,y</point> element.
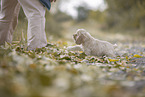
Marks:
<point>74,35</point>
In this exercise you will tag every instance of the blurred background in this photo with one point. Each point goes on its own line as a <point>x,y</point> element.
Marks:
<point>113,20</point>
<point>59,73</point>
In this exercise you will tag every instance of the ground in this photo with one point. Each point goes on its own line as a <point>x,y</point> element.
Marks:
<point>52,71</point>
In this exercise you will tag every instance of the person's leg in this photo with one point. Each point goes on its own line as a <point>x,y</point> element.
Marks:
<point>15,18</point>
<point>35,13</point>
<point>8,19</point>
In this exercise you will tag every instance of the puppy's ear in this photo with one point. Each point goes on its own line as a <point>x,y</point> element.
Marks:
<point>80,39</point>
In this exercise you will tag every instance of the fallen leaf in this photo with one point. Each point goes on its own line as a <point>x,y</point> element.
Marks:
<point>113,60</point>
<point>137,56</point>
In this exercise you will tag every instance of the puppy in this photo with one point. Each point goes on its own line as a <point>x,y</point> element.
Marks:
<point>75,48</point>
<point>92,46</point>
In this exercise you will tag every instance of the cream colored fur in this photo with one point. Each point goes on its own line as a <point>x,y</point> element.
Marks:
<point>75,48</point>
<point>92,46</point>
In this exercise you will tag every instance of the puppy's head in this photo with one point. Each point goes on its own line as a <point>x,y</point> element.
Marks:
<point>80,36</point>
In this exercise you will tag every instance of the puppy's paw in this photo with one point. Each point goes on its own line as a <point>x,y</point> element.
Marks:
<point>75,48</point>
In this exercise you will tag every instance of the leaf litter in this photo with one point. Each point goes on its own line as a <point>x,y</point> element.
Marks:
<point>54,71</point>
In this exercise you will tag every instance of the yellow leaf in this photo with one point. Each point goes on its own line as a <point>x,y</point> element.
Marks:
<point>59,42</point>
<point>137,56</point>
<point>126,57</point>
<point>65,43</point>
<point>135,69</point>
<point>80,51</point>
<point>113,60</point>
